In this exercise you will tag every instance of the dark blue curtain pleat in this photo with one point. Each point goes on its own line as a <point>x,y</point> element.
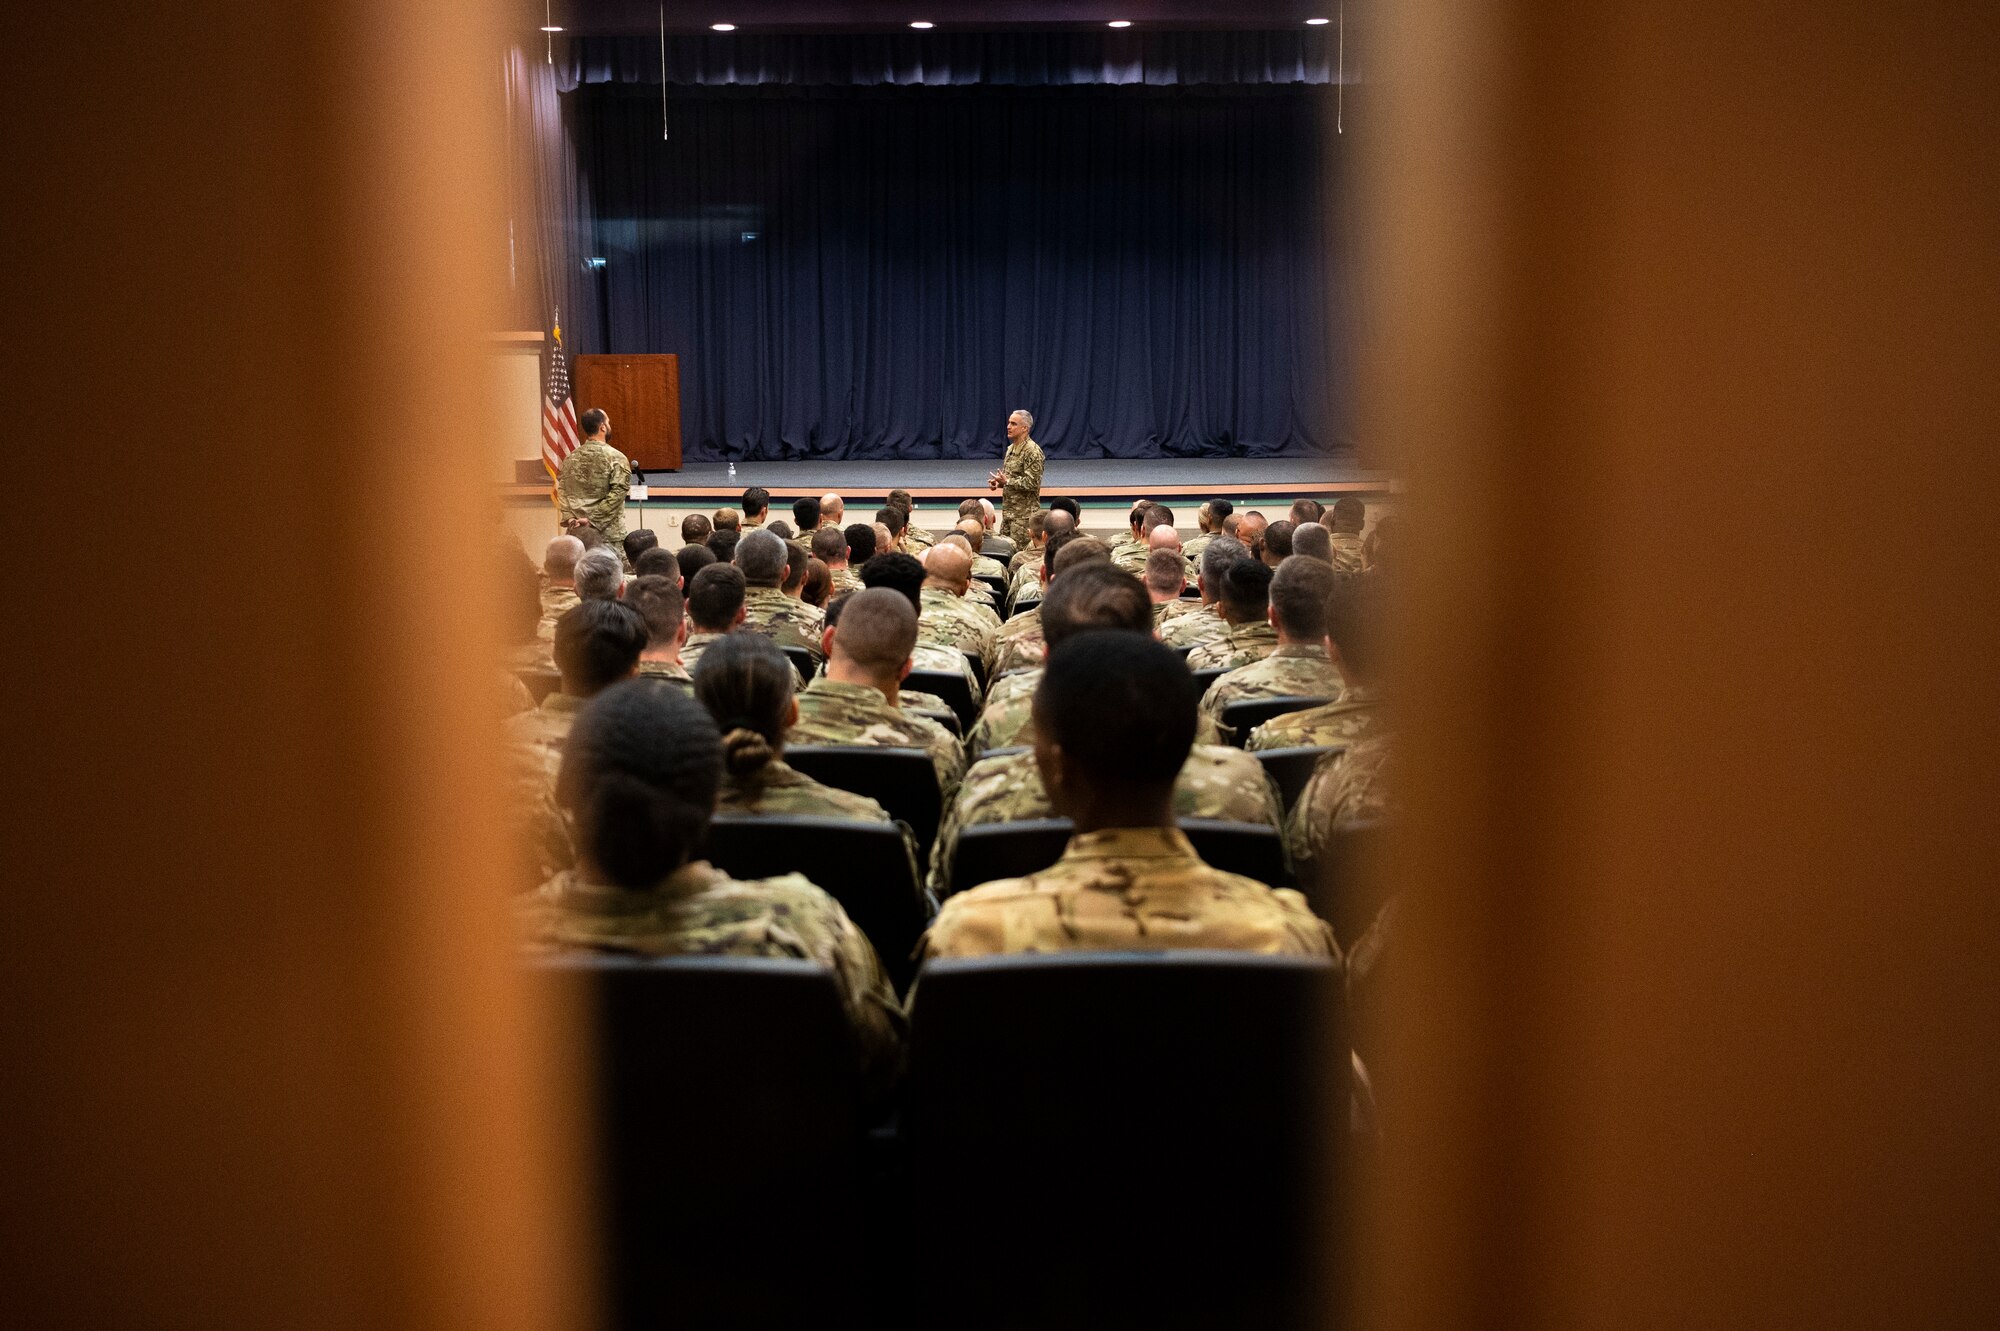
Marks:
<point>886,274</point>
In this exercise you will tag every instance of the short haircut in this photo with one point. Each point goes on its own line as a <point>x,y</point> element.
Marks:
<point>796,559</point>
<point>878,628</point>
<point>1080,550</point>
<point>1312,541</point>
<point>639,775</point>
<point>1059,520</point>
<point>900,498</point>
<point>695,529</point>
<point>1158,515</point>
<point>1054,547</point>
<point>830,544</point>
<point>893,518</point>
<point>693,559</point>
<point>831,611</point>
<point>755,500</point>
<point>1218,509</point>
<point>659,561</point>
<point>588,535</point>
<point>1064,504</point>
<point>1350,515</point>
<point>592,421</point>
<point>1246,588</point>
<point>638,543</point>
<point>1138,514</point>
<point>1218,554</point>
<point>1278,537</point>
<point>1298,593</point>
<point>1097,595</point>
<point>970,508</point>
<point>723,542</point>
<point>714,598</point>
<point>599,573</point>
<point>818,582</point>
<point>659,599</point>
<point>1306,510</point>
<point>1121,707</point>
<point>1027,417</point>
<point>899,573</point>
<point>761,556</point>
<point>727,519</point>
<point>805,512</point>
<point>1166,572</point>
<point>1038,522</point>
<point>1357,621</point>
<point>559,560</point>
<point>1230,523</point>
<point>974,532</point>
<point>860,542</point>
<point>745,682</point>
<point>780,529</point>
<point>598,643</point>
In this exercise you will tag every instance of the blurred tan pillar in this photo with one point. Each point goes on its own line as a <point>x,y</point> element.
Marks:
<point>265,1064</point>
<point>1690,324</point>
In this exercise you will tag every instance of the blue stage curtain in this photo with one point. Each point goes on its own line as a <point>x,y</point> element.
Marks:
<point>887,273</point>
<point>957,59</point>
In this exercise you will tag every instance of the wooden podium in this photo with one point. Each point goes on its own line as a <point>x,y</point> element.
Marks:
<point>642,395</point>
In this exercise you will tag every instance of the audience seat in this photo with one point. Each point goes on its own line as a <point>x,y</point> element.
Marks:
<point>1345,885</point>
<point>1204,678</point>
<point>1292,768</point>
<point>729,1104</point>
<point>805,660</point>
<point>1182,652</point>
<point>949,720</point>
<point>866,867</point>
<point>989,851</point>
<point>540,683</point>
<point>998,586</point>
<point>1240,718</point>
<point>977,663</point>
<point>1125,1140</point>
<point>903,781</point>
<point>950,686</point>
<point>1190,593</point>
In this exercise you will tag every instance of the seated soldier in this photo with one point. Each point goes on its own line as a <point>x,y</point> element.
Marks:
<point>638,543</point>
<point>764,562</point>
<point>1278,542</point>
<point>559,585</point>
<point>1312,541</point>
<point>1350,515</point>
<point>756,504</point>
<point>830,547</point>
<point>1166,579</point>
<point>714,607</point>
<point>1166,537</point>
<point>948,620</point>
<point>1025,571</point>
<point>1299,666</point>
<point>745,682</point>
<point>977,593</point>
<point>1245,606</point>
<point>861,547</point>
<point>1209,517</point>
<point>726,519</point>
<point>780,529</point>
<point>805,512</point>
<point>818,585</point>
<point>998,544</point>
<point>1348,786</point>
<point>1114,723</point>
<point>983,565</point>
<point>1130,554</point>
<point>692,559</point>
<point>599,574</point>
<point>910,700</point>
<point>909,535</point>
<point>832,510</point>
<point>639,782</point>
<point>1019,645</point>
<point>798,560</point>
<point>1305,511</point>
<point>853,700</point>
<point>695,529</point>
<point>722,543</point>
<point>657,562</point>
<point>1205,623</point>
<point>1251,531</point>
<point>890,526</point>
<point>904,575</point>
<point>659,599</point>
<point>1135,533</point>
<point>1019,656</point>
<point>1354,630</point>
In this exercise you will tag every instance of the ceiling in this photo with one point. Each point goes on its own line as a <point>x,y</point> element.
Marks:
<point>755,16</point>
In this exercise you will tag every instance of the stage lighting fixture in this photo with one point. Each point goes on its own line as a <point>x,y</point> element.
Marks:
<point>922,23</point>
<point>723,27</point>
<point>1120,23</point>
<point>1318,22</point>
<point>549,29</point>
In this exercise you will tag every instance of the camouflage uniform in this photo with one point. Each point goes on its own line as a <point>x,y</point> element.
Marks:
<point>1200,625</point>
<point>1351,785</point>
<point>1299,670</point>
<point>1131,556</point>
<point>556,602</point>
<point>1346,552</point>
<point>831,712</point>
<point>1028,556</point>
<point>1215,782</point>
<point>779,789</point>
<point>1239,645</point>
<point>1025,587</point>
<point>946,660</point>
<point>592,484</point>
<point>947,621</point>
<point>697,643</point>
<point>1346,719</point>
<point>1020,489</point>
<point>1165,612</point>
<point>984,566</point>
<point>1125,888</point>
<point>916,539</point>
<point>844,580</point>
<point>1006,719</point>
<point>697,911</point>
<point>785,621</point>
<point>673,672</point>
<point>1191,551</point>
<point>535,742</point>
<point>1019,645</point>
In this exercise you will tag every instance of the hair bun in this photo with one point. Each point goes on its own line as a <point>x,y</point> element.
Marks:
<point>745,753</point>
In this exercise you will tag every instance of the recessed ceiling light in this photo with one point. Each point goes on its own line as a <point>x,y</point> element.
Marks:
<point>723,27</point>
<point>922,23</point>
<point>1121,23</point>
<point>1318,22</point>
<point>551,29</point>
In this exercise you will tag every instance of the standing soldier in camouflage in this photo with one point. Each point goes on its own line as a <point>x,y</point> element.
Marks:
<point>1299,667</point>
<point>787,621</point>
<point>1018,478</point>
<point>593,480</point>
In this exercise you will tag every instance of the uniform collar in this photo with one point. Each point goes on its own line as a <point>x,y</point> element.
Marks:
<point>1255,628</point>
<point>1130,843</point>
<point>840,688</point>
<point>578,893</point>
<point>1304,651</point>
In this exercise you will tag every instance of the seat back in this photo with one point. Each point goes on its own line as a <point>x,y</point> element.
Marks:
<point>999,586</point>
<point>1255,850</point>
<point>977,665</point>
<point>1204,678</point>
<point>721,1084</point>
<point>805,661</point>
<point>867,867</point>
<point>540,683</point>
<point>1240,718</point>
<point>951,686</point>
<point>991,851</point>
<point>1125,1139</point>
<point>949,720</point>
<point>903,781</point>
<point>1292,768</point>
<point>1182,652</point>
<point>1345,885</point>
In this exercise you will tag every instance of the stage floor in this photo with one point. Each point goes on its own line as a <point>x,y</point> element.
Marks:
<point>1095,481</point>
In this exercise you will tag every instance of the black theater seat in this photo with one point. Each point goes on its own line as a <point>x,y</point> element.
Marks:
<point>1240,718</point>
<point>1292,768</point>
<point>903,781</point>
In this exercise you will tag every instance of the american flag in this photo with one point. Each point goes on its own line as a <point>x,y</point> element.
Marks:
<point>560,434</point>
